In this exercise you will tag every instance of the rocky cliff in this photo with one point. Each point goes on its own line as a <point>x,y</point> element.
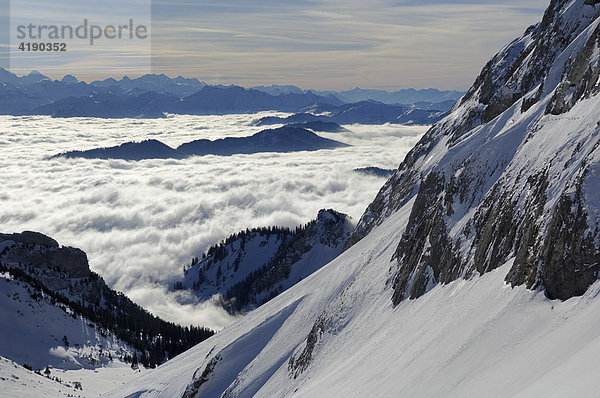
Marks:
<point>70,260</point>
<point>511,171</point>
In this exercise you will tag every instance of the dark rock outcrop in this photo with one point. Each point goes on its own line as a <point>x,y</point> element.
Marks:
<point>318,125</point>
<point>580,79</point>
<point>425,244</point>
<point>375,171</point>
<point>31,238</point>
<point>283,139</point>
<point>42,251</point>
<point>149,149</point>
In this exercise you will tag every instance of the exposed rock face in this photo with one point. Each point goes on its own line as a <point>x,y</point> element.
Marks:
<point>580,79</point>
<point>70,260</point>
<point>571,259</point>
<point>375,171</point>
<point>298,364</point>
<point>511,171</point>
<point>435,257</point>
<point>331,321</point>
<point>200,379</point>
<point>32,238</point>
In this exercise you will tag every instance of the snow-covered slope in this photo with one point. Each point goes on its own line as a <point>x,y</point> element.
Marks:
<point>495,210</point>
<point>38,332</point>
<point>249,353</point>
<point>19,382</point>
<point>253,266</point>
<point>469,338</point>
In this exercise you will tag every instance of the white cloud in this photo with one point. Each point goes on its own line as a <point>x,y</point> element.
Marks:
<point>140,222</point>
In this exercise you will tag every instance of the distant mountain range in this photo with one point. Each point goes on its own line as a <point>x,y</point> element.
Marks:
<point>408,96</point>
<point>178,86</point>
<point>283,139</point>
<point>154,96</point>
<point>364,112</point>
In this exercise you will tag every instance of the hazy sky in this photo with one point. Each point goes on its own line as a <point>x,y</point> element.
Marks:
<point>336,44</point>
<point>322,44</point>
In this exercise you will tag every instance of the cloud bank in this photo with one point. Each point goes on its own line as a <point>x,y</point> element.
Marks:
<point>140,222</point>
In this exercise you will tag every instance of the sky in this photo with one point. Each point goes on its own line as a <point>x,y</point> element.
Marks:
<point>320,44</point>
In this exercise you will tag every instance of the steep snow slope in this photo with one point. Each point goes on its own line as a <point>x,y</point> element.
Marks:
<point>277,328</point>
<point>470,337</point>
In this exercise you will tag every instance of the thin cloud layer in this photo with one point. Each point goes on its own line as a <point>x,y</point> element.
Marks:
<point>319,44</point>
<point>140,222</point>
<point>334,44</point>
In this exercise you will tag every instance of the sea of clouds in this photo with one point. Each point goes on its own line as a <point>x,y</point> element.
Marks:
<point>140,222</point>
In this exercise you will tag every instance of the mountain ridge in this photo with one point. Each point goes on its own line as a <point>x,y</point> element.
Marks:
<point>154,96</point>
<point>253,266</point>
<point>525,64</point>
<point>406,96</point>
<point>282,139</point>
